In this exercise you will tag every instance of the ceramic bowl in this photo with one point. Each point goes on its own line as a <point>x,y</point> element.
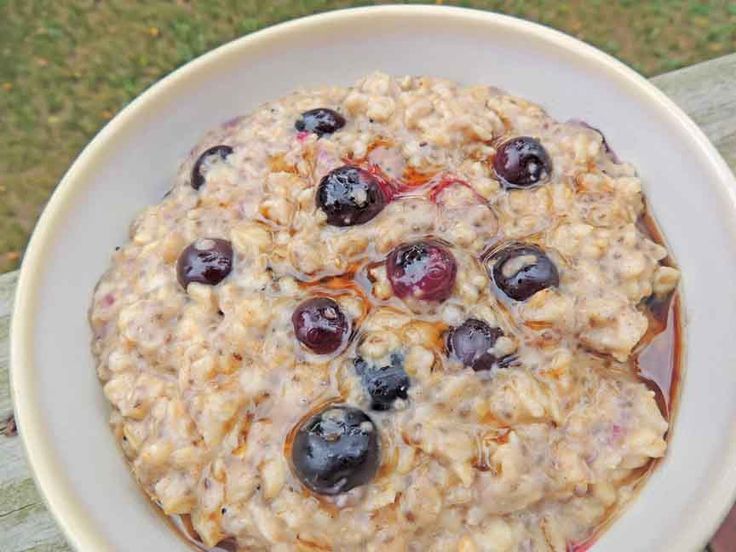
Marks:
<point>130,164</point>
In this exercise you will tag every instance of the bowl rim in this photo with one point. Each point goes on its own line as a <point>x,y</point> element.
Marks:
<point>57,495</point>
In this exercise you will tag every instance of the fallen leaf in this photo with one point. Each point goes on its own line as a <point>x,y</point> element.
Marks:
<point>9,428</point>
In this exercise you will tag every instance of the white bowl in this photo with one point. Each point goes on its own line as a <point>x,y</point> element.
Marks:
<point>130,164</point>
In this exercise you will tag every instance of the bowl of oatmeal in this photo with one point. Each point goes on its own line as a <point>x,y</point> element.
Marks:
<point>309,294</point>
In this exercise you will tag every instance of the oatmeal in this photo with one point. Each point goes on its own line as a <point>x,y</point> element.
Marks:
<point>404,315</point>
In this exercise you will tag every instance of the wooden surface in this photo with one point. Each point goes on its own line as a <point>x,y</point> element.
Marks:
<point>707,92</point>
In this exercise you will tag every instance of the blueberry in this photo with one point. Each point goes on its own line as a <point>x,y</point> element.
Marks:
<point>206,261</point>
<point>522,162</point>
<point>320,324</point>
<point>383,384</point>
<point>320,121</point>
<point>521,270</point>
<point>350,195</point>
<point>336,450</point>
<point>205,161</point>
<point>471,342</point>
<point>424,269</point>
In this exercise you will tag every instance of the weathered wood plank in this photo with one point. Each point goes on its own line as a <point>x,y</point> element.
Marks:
<point>707,92</point>
<point>7,288</point>
<point>25,525</point>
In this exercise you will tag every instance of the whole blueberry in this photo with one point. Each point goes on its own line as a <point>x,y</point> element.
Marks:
<point>472,342</point>
<point>350,195</point>
<point>206,261</point>
<point>522,162</point>
<point>210,156</point>
<point>320,325</point>
<point>320,121</point>
<point>384,384</point>
<point>336,450</point>
<point>521,270</point>
<point>423,269</point>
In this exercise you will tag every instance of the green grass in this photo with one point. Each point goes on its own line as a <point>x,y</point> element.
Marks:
<point>67,66</point>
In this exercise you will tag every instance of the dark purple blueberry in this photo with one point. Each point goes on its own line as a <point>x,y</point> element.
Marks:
<point>320,325</point>
<point>205,160</point>
<point>229,544</point>
<point>606,145</point>
<point>522,162</point>
<point>423,269</point>
<point>471,344</point>
<point>384,384</point>
<point>320,121</point>
<point>350,195</point>
<point>207,261</point>
<point>336,450</point>
<point>521,270</point>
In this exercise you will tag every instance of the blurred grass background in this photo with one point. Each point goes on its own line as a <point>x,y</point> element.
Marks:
<point>67,66</point>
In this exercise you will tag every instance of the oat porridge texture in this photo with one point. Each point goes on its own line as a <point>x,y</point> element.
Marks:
<point>401,315</point>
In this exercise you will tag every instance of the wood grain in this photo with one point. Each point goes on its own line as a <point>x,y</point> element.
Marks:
<point>25,524</point>
<point>707,92</point>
